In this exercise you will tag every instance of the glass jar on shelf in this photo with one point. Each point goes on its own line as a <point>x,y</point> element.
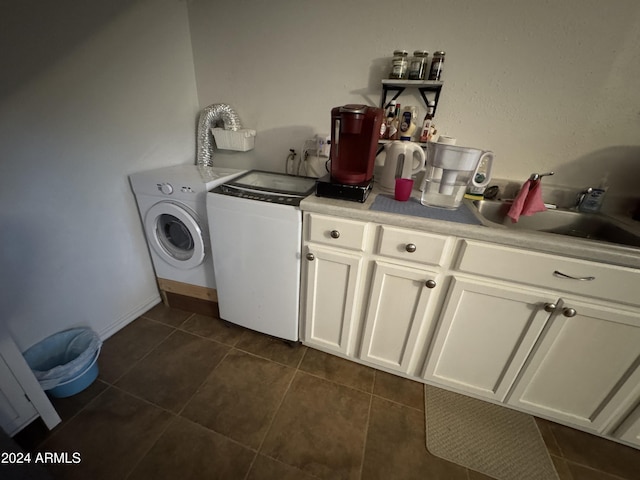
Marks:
<point>399,65</point>
<point>437,64</point>
<point>418,65</point>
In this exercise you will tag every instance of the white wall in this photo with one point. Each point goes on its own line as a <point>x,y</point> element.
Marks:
<point>546,85</point>
<point>91,91</point>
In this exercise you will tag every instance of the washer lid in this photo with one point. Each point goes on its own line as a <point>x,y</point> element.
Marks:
<point>174,233</point>
<point>278,183</point>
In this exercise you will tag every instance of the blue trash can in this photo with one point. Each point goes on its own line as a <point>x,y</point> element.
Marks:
<point>67,362</point>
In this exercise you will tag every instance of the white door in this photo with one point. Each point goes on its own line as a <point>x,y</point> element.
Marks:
<point>17,382</point>
<point>15,408</point>
<point>485,333</point>
<point>580,370</point>
<point>332,283</point>
<point>396,311</point>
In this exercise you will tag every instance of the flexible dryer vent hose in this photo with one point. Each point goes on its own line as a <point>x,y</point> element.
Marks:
<point>210,117</point>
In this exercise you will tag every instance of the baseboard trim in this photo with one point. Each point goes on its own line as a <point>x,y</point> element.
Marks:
<point>129,317</point>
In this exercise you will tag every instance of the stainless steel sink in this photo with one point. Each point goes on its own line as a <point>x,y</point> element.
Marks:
<point>563,222</point>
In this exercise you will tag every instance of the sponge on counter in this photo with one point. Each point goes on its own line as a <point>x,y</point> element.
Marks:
<point>472,196</point>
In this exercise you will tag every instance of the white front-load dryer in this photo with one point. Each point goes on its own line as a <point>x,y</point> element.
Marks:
<point>172,206</point>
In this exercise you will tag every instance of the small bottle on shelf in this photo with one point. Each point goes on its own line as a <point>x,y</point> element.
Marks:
<point>427,125</point>
<point>386,124</point>
<point>394,130</point>
<point>408,123</point>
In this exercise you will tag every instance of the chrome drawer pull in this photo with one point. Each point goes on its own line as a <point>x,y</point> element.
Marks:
<point>569,312</point>
<point>550,307</point>
<point>335,234</point>
<point>563,275</point>
<point>411,247</point>
<point>310,256</point>
<point>430,284</point>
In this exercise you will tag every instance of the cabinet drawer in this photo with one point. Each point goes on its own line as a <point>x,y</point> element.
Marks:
<point>400,242</point>
<point>597,280</point>
<point>334,231</point>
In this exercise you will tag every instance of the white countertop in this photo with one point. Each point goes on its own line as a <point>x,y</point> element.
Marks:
<point>541,241</point>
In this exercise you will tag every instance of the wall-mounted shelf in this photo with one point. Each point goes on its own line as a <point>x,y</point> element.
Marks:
<point>399,86</point>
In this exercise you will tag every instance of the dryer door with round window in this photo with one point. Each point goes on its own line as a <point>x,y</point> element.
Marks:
<point>175,234</point>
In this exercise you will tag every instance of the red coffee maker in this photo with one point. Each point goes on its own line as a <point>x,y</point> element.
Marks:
<point>355,130</point>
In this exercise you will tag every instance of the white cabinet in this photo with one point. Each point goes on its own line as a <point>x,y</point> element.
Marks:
<point>332,280</point>
<point>369,289</point>
<point>485,333</point>
<point>584,366</point>
<point>563,275</point>
<point>397,308</point>
<point>580,357</point>
<point>400,303</point>
<point>552,336</point>
<point>629,430</point>
<point>414,247</point>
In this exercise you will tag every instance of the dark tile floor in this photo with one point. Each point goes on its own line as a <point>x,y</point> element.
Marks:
<point>183,395</point>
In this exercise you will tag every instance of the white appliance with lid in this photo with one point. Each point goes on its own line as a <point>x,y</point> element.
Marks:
<point>256,246</point>
<point>402,160</point>
<point>172,206</point>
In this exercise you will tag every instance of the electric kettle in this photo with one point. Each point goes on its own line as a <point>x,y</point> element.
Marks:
<point>402,159</point>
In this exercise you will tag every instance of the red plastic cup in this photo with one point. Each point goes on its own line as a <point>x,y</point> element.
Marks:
<point>403,189</point>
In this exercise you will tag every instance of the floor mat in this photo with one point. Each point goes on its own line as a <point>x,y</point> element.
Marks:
<point>484,437</point>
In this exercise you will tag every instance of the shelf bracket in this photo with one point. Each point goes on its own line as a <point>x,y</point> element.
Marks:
<point>385,90</point>
<point>423,93</point>
<point>399,89</point>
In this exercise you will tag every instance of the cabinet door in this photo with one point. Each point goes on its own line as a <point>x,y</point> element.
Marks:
<point>332,283</point>
<point>582,368</point>
<point>485,333</point>
<point>629,431</point>
<point>15,408</point>
<point>396,311</point>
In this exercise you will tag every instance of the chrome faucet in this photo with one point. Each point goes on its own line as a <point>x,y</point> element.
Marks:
<point>582,196</point>
<point>538,176</point>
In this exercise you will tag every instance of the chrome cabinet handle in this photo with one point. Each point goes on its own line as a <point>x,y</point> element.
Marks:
<point>550,307</point>
<point>411,247</point>
<point>335,234</point>
<point>557,273</point>
<point>310,256</point>
<point>569,312</point>
<point>430,284</point>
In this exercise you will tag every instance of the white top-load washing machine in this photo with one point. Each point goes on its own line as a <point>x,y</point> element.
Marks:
<point>256,235</point>
<point>172,205</point>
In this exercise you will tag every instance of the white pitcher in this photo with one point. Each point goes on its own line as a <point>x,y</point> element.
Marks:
<point>450,169</point>
<point>402,159</point>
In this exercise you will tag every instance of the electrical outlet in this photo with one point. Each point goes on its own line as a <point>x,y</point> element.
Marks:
<point>323,145</point>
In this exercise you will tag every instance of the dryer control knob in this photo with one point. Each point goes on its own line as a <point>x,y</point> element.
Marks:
<point>165,188</point>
